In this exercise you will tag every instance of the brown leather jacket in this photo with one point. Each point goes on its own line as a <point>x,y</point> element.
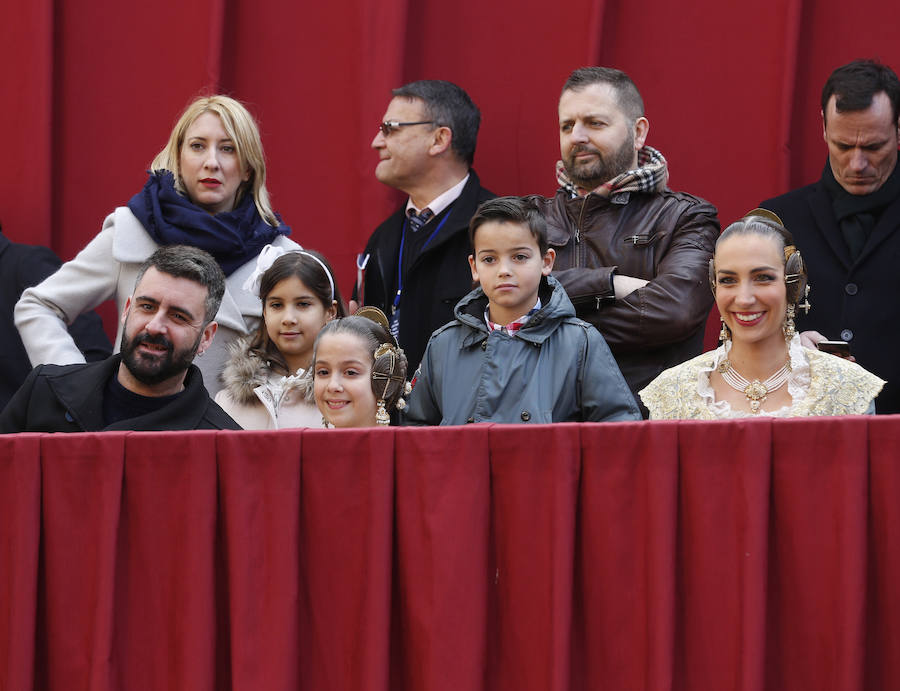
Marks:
<point>665,237</point>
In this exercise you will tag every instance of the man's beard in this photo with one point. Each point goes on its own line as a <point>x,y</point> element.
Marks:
<point>591,174</point>
<point>152,370</point>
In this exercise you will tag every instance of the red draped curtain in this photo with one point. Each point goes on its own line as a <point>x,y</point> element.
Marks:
<point>724,557</point>
<point>91,89</point>
<point>740,556</point>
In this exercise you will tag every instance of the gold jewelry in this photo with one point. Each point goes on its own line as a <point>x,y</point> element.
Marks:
<point>381,415</point>
<point>805,306</point>
<point>384,349</point>
<point>407,390</point>
<point>755,391</point>
<point>724,334</point>
<point>373,314</point>
<point>788,327</point>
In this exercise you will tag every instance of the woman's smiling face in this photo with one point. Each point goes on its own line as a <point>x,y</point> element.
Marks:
<point>750,290</point>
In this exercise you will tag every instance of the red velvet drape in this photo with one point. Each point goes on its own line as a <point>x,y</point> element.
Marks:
<point>661,556</point>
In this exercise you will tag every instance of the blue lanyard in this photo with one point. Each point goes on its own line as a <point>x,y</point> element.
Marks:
<point>400,258</point>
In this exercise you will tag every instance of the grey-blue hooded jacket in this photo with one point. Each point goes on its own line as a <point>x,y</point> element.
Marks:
<point>557,368</point>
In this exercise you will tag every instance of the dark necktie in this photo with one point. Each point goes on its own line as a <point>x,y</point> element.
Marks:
<point>417,220</point>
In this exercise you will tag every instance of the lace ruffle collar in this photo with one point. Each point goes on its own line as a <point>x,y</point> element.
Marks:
<point>798,383</point>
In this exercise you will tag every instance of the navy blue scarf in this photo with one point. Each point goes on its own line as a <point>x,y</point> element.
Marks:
<point>232,237</point>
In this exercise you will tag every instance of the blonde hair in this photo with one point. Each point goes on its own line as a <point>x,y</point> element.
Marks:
<point>243,132</point>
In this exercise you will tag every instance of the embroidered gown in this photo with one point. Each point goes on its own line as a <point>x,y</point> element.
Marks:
<point>819,384</point>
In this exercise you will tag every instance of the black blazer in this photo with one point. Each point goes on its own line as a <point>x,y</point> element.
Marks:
<point>69,398</point>
<point>856,301</point>
<point>438,278</point>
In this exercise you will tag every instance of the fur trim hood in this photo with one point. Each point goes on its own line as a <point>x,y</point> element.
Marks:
<point>244,372</point>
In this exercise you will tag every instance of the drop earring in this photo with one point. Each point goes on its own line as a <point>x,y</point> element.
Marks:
<point>724,334</point>
<point>788,327</point>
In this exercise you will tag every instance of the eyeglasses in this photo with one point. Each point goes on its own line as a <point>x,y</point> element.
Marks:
<point>389,127</point>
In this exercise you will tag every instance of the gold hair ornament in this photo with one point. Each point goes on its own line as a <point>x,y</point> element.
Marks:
<point>382,417</point>
<point>373,314</point>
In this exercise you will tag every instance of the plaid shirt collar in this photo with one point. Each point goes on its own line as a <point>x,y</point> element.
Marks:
<point>513,326</point>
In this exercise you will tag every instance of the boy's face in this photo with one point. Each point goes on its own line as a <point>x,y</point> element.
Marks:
<point>509,265</point>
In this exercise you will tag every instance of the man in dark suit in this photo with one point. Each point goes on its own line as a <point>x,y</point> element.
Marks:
<point>417,267</point>
<point>847,225</point>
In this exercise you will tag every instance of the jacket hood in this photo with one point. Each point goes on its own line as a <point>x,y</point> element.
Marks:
<point>555,306</point>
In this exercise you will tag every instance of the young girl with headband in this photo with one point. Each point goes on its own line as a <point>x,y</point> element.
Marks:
<point>264,382</point>
<point>359,372</point>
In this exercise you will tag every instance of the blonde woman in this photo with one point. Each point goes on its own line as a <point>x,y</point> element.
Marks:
<point>207,188</point>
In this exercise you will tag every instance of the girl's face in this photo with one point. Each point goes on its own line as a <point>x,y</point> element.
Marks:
<point>343,381</point>
<point>294,316</point>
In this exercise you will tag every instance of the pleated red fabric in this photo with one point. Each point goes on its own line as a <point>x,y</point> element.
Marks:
<point>346,539</point>
<point>258,572</point>
<point>20,539</point>
<point>746,556</point>
<point>441,559</point>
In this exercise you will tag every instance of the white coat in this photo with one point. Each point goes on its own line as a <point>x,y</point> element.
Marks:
<point>106,270</point>
<point>258,398</point>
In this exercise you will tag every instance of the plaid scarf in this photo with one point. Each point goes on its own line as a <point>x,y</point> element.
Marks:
<point>651,175</point>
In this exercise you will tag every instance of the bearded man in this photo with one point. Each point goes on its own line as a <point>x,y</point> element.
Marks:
<point>631,253</point>
<point>151,384</point>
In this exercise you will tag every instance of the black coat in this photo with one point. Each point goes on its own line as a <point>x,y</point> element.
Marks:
<point>69,398</point>
<point>22,266</point>
<point>437,279</point>
<point>855,301</point>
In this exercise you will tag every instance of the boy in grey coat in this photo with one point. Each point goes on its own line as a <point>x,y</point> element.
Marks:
<point>516,351</point>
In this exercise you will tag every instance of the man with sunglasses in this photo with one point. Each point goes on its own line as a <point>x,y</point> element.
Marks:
<point>417,267</point>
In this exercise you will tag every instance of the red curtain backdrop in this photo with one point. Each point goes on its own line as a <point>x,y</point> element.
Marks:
<point>91,89</point>
<point>656,556</point>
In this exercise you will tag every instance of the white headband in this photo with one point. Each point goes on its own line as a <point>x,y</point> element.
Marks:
<point>267,257</point>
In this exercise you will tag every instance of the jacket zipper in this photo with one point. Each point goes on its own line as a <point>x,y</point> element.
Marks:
<point>578,259</point>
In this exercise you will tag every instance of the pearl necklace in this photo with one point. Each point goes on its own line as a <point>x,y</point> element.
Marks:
<point>755,391</point>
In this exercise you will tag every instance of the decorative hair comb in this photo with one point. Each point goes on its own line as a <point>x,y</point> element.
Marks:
<point>373,314</point>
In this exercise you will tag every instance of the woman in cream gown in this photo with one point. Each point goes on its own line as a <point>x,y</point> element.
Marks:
<point>760,369</point>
